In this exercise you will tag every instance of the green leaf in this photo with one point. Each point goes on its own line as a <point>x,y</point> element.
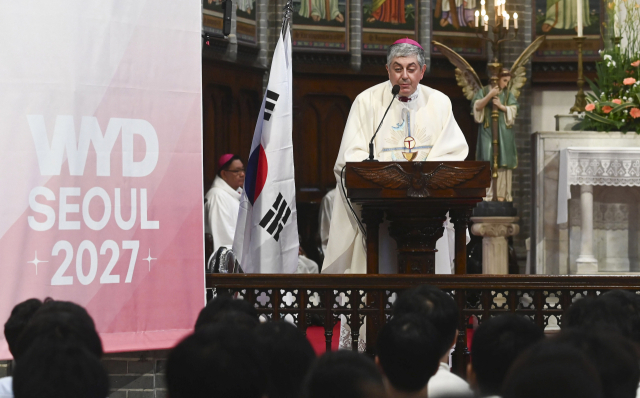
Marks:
<point>594,87</point>
<point>620,107</point>
<point>600,119</point>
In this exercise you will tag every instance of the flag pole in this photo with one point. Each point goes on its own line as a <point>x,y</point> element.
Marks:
<point>286,18</point>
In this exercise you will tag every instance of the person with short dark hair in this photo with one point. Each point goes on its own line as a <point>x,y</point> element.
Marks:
<point>60,369</point>
<point>552,370</point>
<point>61,321</point>
<point>441,311</point>
<point>218,360</point>
<point>288,356</point>
<point>224,308</point>
<point>629,302</point>
<point>222,201</point>
<point>20,316</point>
<point>343,374</point>
<point>614,358</point>
<point>603,313</point>
<point>408,355</point>
<point>496,344</point>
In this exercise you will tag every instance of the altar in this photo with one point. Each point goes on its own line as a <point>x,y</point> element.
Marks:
<point>585,206</point>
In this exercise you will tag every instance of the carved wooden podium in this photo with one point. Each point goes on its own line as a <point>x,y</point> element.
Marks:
<point>416,196</point>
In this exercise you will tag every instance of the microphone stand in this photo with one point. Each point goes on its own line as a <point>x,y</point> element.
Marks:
<point>395,90</point>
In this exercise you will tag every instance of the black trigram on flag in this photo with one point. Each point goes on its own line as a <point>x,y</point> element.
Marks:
<point>269,104</point>
<point>276,218</point>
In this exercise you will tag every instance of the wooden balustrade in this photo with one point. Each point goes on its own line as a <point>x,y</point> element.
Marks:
<point>369,298</point>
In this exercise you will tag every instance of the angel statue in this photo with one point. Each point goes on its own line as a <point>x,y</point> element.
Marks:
<point>503,94</point>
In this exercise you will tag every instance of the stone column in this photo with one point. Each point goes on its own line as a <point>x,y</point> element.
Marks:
<point>495,249</point>
<point>586,262</point>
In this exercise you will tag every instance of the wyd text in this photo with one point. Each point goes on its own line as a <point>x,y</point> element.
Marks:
<point>64,207</point>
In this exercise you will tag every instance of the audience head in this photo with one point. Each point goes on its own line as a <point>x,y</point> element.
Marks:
<point>60,321</point>
<point>343,374</point>
<point>496,344</point>
<point>408,352</point>
<point>226,309</point>
<point>597,314</point>
<point>552,370</point>
<point>59,369</point>
<point>20,316</point>
<point>288,355</point>
<point>630,304</point>
<point>217,360</point>
<point>614,358</point>
<point>435,306</point>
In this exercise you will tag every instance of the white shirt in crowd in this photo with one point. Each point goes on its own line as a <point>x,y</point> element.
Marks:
<point>221,213</point>
<point>6,387</point>
<point>444,384</point>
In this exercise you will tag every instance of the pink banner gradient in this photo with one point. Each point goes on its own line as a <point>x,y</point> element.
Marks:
<point>105,61</point>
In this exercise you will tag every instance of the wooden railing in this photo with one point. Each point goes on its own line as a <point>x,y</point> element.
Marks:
<point>369,298</point>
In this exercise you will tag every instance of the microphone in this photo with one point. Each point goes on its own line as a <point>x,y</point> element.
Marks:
<point>395,90</point>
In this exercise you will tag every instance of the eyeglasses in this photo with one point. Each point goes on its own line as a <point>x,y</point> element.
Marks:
<point>235,171</point>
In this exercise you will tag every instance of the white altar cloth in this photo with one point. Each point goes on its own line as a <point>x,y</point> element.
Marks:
<point>595,166</point>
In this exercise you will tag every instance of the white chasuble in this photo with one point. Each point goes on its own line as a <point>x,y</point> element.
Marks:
<point>425,125</point>
<point>221,213</point>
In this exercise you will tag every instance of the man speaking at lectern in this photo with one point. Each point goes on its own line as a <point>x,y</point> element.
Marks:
<point>419,125</point>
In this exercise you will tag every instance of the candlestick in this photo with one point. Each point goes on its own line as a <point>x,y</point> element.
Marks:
<point>486,23</point>
<point>515,20</point>
<point>579,5</point>
<point>477,14</point>
<point>581,99</point>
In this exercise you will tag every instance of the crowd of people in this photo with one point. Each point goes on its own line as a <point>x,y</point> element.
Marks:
<point>232,353</point>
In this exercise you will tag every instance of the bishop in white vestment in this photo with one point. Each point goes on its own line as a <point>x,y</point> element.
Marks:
<point>420,118</point>
<point>223,201</point>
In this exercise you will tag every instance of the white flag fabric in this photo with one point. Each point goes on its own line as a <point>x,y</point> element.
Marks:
<point>266,238</point>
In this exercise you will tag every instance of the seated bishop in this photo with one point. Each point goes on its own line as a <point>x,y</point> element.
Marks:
<point>420,123</point>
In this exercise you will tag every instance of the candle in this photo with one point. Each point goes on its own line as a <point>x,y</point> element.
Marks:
<point>483,9</point>
<point>616,24</point>
<point>506,20</point>
<point>486,23</point>
<point>477,17</point>
<point>579,5</point>
<point>515,20</point>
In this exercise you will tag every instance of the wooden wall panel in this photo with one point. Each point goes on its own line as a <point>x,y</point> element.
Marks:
<point>231,99</point>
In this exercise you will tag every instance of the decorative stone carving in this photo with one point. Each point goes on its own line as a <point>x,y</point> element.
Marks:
<point>495,249</point>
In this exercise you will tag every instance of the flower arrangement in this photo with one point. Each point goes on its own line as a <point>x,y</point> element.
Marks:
<point>615,101</point>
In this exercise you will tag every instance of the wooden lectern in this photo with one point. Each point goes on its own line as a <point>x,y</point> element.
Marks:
<point>416,196</point>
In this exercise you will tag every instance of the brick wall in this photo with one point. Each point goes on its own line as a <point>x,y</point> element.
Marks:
<point>131,374</point>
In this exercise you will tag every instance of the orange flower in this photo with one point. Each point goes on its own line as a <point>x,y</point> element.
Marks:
<point>629,81</point>
<point>635,113</point>
<point>616,101</point>
<point>589,107</point>
<point>606,109</point>
<point>636,64</point>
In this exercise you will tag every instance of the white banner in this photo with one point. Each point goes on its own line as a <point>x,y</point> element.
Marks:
<point>100,163</point>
